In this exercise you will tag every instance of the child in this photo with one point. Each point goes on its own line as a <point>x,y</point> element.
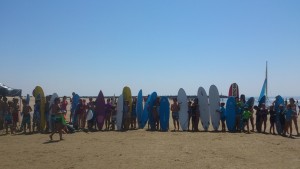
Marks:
<point>78,115</point>
<point>133,114</point>
<point>175,113</point>
<point>295,114</point>
<point>63,105</point>
<point>281,117</point>
<point>8,119</point>
<point>113,117</point>
<point>26,121</point>
<point>246,117</point>
<point>258,119</point>
<point>91,106</point>
<point>108,108</point>
<point>47,114</point>
<point>288,120</point>
<point>223,117</point>
<point>272,119</point>
<point>195,115</point>
<point>59,126</point>
<point>15,113</point>
<point>238,114</point>
<point>36,116</point>
<point>84,114</point>
<point>264,116</point>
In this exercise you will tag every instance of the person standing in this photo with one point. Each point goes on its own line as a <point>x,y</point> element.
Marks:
<point>175,114</point>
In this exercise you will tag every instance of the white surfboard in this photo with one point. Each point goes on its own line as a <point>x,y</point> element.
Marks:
<point>203,106</point>
<point>183,112</point>
<point>89,115</point>
<point>53,97</point>
<point>214,106</point>
<point>119,118</point>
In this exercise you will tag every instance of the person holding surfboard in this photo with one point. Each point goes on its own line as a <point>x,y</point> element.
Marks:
<point>108,108</point>
<point>223,117</point>
<point>238,116</point>
<point>15,112</point>
<point>175,113</point>
<point>190,114</point>
<point>246,117</point>
<point>133,114</point>
<point>126,109</point>
<point>155,113</point>
<point>272,119</point>
<point>195,115</point>
<point>58,123</point>
<point>294,114</point>
<point>264,116</point>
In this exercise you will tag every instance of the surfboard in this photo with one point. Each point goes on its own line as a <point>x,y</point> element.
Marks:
<point>119,117</point>
<point>53,97</point>
<point>233,90</point>
<point>38,91</point>
<point>127,96</point>
<point>75,102</point>
<point>279,100</point>
<point>152,101</point>
<point>27,99</point>
<point>89,115</point>
<point>139,108</point>
<point>230,114</point>
<point>250,102</point>
<point>100,110</point>
<point>214,106</point>
<point>204,109</point>
<point>164,113</point>
<point>145,114</point>
<point>183,112</point>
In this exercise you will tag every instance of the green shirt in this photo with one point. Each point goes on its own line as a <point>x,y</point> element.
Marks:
<point>246,114</point>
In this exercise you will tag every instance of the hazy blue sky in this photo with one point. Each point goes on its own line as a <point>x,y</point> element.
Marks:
<point>154,45</point>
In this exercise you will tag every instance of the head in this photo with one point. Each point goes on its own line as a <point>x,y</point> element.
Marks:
<point>292,101</point>
<point>73,93</point>
<point>80,101</point>
<point>196,100</point>
<point>281,106</point>
<point>263,105</point>
<point>222,104</point>
<point>23,101</point>
<point>15,100</point>
<point>10,103</point>
<point>237,99</point>
<point>5,99</point>
<point>175,100</point>
<point>108,100</point>
<point>57,100</point>
<point>90,99</point>
<point>64,98</point>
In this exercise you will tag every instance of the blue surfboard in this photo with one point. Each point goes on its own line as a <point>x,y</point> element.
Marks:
<point>145,114</point>
<point>164,113</point>
<point>230,114</point>
<point>75,102</point>
<point>151,104</point>
<point>279,100</point>
<point>27,99</point>
<point>139,108</point>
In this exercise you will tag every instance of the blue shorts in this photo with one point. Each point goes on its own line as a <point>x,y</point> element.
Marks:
<point>175,115</point>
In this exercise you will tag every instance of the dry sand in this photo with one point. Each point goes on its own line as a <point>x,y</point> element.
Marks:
<point>144,149</point>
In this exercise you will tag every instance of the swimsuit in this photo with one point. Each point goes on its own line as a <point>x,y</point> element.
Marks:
<point>175,115</point>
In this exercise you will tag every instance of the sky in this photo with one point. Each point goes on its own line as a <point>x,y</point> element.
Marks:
<point>153,45</point>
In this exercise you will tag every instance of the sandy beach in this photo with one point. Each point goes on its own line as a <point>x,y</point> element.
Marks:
<point>145,149</point>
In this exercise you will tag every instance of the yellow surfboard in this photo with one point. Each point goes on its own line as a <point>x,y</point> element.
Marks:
<point>127,97</point>
<point>39,91</point>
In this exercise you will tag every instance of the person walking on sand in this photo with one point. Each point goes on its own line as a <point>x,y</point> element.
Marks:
<point>58,123</point>
<point>294,114</point>
<point>175,113</point>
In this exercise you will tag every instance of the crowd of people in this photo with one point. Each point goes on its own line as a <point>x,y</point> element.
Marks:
<point>56,116</point>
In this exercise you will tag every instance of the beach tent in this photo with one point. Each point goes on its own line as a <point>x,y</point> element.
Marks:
<point>9,92</point>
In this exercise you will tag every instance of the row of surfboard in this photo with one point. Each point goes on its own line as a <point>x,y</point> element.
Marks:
<point>208,105</point>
